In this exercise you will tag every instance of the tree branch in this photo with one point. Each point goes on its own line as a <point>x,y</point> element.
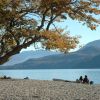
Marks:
<point>16,50</point>
<point>43,20</point>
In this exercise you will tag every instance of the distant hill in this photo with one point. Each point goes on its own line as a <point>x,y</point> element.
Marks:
<point>93,62</point>
<point>26,55</point>
<point>86,57</point>
<point>92,48</point>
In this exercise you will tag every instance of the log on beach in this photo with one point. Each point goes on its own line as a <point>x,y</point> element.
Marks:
<point>54,79</point>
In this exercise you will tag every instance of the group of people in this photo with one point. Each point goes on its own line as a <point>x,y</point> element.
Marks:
<point>84,80</point>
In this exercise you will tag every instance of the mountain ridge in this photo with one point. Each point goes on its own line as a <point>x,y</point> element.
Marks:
<point>85,58</point>
<point>25,55</point>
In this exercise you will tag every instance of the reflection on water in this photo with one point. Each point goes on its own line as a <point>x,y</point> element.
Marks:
<point>49,74</point>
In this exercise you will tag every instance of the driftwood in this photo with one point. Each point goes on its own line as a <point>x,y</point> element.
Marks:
<point>91,82</point>
<point>64,80</point>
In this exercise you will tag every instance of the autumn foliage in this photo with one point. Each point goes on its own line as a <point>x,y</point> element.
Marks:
<point>26,22</point>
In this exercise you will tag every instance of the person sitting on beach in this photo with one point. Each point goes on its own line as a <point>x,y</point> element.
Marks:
<point>81,79</point>
<point>86,80</point>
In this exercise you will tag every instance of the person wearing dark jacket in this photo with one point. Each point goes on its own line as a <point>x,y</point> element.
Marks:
<point>86,80</point>
<point>81,79</point>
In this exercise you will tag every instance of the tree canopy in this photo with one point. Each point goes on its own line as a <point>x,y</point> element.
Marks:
<point>26,22</point>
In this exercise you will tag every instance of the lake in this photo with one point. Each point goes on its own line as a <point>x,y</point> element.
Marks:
<point>49,74</point>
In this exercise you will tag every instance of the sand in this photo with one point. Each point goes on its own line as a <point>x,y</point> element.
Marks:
<point>47,90</point>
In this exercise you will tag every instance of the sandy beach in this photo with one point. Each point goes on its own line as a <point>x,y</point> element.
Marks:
<point>11,89</point>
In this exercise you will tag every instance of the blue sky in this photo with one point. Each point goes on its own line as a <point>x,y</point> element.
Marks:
<point>87,35</point>
<point>76,28</point>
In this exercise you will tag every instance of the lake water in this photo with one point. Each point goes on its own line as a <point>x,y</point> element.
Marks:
<point>49,74</point>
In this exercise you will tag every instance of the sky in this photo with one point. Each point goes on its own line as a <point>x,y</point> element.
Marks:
<point>87,35</point>
<point>76,28</point>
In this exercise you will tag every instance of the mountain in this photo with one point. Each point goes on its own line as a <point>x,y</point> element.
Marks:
<point>26,55</point>
<point>86,57</point>
<point>92,48</point>
<point>91,63</point>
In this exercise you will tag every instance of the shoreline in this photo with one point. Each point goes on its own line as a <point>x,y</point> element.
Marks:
<point>24,89</point>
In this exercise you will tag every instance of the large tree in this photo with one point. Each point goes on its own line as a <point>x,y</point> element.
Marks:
<point>26,22</point>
